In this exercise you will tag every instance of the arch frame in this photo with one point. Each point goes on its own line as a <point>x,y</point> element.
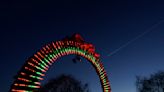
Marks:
<point>30,75</point>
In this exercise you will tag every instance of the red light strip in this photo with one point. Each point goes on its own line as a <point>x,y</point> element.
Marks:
<point>33,71</point>
<point>15,90</point>
<point>41,62</point>
<point>37,67</point>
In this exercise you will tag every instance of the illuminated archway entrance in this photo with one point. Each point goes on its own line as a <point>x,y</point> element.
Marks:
<point>29,77</point>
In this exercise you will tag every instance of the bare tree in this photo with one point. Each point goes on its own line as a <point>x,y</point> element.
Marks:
<point>155,83</point>
<point>64,83</point>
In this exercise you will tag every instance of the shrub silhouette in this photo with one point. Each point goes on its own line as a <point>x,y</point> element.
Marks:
<point>64,83</point>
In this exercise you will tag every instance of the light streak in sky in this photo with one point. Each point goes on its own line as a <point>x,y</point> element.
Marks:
<point>136,38</point>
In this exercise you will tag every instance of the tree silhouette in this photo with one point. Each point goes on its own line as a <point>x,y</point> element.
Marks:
<point>155,83</point>
<point>64,83</point>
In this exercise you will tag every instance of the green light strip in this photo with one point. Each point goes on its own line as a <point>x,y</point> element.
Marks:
<point>36,77</point>
<point>33,86</point>
<point>39,73</point>
<point>44,63</point>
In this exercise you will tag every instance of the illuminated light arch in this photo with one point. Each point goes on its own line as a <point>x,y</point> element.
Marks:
<point>29,77</point>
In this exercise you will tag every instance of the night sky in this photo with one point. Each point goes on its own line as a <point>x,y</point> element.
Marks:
<point>27,26</point>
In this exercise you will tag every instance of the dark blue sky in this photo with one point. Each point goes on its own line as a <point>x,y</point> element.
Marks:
<point>27,26</point>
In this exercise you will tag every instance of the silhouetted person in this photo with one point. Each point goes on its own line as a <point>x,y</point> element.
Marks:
<point>76,59</point>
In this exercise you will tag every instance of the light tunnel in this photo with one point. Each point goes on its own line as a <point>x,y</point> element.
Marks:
<point>33,71</point>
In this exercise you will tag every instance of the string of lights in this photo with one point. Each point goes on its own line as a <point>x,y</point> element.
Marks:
<point>29,77</point>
